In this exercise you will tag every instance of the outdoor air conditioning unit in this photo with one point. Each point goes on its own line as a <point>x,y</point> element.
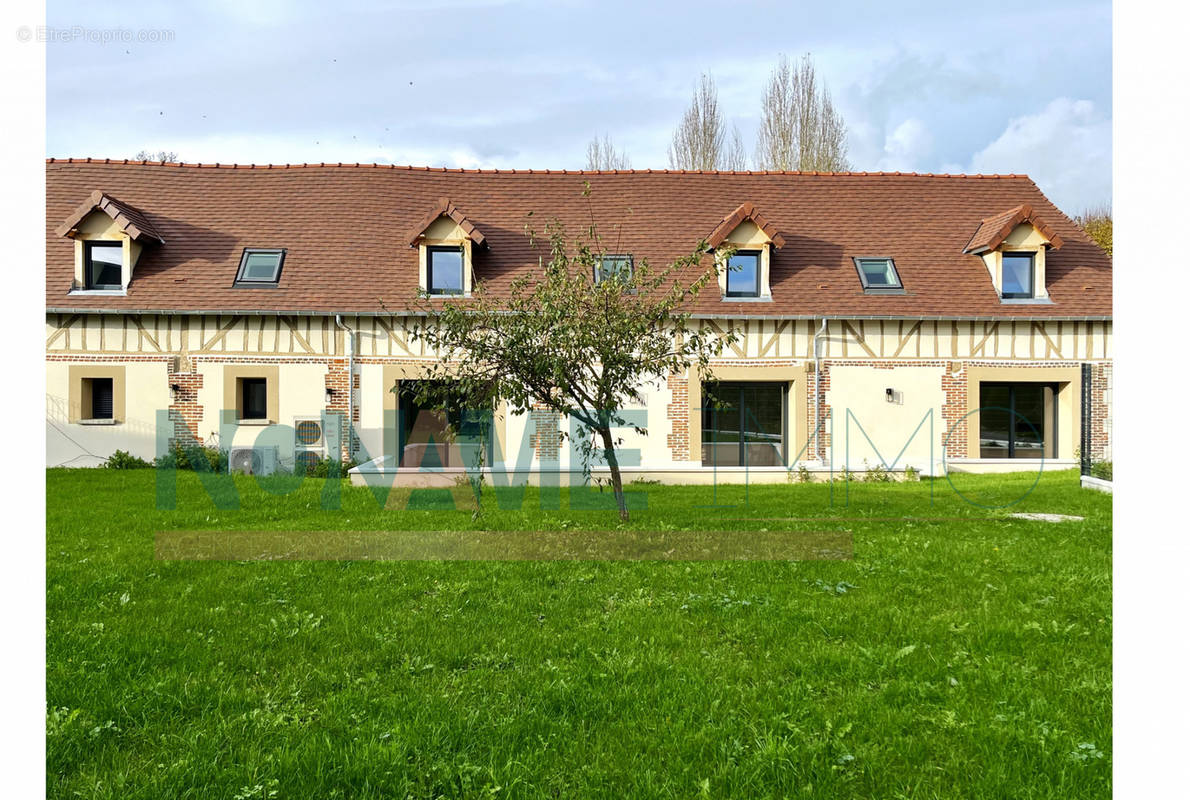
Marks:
<point>309,443</point>
<point>253,460</point>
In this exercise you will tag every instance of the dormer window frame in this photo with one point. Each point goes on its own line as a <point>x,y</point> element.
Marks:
<point>1032,255</point>
<point>756,292</point>
<point>89,277</point>
<point>429,250</point>
<point>896,287</point>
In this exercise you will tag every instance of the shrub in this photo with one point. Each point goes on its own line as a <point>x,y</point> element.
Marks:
<point>877,474</point>
<point>187,456</point>
<point>1101,469</point>
<point>330,467</point>
<point>912,474</point>
<point>124,460</point>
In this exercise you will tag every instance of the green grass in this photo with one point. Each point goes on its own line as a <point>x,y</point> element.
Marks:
<point>966,657</point>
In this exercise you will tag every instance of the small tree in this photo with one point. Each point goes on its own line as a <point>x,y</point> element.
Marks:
<point>602,154</point>
<point>800,129</point>
<point>579,347</point>
<point>1097,222</point>
<point>167,156</point>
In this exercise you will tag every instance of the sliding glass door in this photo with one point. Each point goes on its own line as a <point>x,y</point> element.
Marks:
<point>743,424</point>
<point>1018,420</point>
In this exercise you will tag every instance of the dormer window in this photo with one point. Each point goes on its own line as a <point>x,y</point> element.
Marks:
<point>751,240</point>
<point>445,241</point>
<point>444,270</point>
<point>1017,275</point>
<point>260,268</point>
<point>743,274</point>
<point>1013,247</point>
<point>878,276</point>
<point>109,237</point>
<point>613,265</point>
<point>104,264</point>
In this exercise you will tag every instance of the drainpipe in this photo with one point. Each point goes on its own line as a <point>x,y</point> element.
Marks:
<point>350,382</point>
<point>817,411</point>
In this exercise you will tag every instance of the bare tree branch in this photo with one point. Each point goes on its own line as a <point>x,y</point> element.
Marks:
<point>800,129</point>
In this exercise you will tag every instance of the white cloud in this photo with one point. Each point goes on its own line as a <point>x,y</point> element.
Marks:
<point>907,147</point>
<point>1065,149</point>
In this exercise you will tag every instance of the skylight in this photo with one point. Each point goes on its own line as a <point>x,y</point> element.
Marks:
<point>260,267</point>
<point>878,275</point>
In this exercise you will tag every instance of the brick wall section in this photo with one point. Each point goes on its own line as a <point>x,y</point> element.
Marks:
<point>678,415</point>
<point>546,438</point>
<point>336,381</point>
<point>185,410</point>
<point>1101,389</point>
<point>954,411</point>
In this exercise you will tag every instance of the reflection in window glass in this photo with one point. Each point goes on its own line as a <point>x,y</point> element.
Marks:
<point>444,268</point>
<point>1017,278</point>
<point>104,263</point>
<point>743,274</point>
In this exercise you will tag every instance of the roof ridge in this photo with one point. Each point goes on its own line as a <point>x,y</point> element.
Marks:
<point>495,171</point>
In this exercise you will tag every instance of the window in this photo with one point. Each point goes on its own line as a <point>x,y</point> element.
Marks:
<point>743,274</point>
<point>1017,278</point>
<point>429,437</point>
<point>444,270</point>
<point>254,398</point>
<point>743,424</point>
<point>613,265</point>
<point>260,268</point>
<point>98,398</point>
<point>878,275</point>
<point>105,262</point>
<point>1018,420</point>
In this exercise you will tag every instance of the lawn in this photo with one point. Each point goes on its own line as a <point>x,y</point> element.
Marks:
<point>960,653</point>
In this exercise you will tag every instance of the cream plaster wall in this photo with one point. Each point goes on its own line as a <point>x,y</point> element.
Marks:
<point>71,444</point>
<point>861,390</point>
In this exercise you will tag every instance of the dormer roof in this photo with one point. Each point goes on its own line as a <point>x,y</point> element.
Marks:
<point>993,230</point>
<point>445,208</point>
<point>744,212</point>
<point>130,219</point>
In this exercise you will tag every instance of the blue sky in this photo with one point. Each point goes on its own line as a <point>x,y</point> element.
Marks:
<point>922,86</point>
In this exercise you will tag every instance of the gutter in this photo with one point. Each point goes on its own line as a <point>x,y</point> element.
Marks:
<point>350,383</point>
<point>290,313</point>
<point>817,401</point>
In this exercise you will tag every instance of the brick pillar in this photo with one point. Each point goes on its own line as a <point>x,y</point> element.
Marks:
<point>678,414</point>
<point>185,410</point>
<point>547,438</point>
<point>337,403</point>
<point>954,388</point>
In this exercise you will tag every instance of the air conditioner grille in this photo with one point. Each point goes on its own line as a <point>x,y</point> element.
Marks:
<point>308,432</point>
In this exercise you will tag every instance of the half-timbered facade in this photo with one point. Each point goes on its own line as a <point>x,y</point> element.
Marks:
<point>939,322</point>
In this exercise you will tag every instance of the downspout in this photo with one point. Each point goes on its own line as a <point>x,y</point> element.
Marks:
<point>350,383</point>
<point>817,410</point>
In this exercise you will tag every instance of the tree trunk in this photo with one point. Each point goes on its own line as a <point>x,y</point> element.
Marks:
<point>609,452</point>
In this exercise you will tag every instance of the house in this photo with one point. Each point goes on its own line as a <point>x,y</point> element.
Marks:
<point>938,321</point>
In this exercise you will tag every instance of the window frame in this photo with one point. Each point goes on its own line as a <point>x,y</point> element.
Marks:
<point>741,386</point>
<point>884,288</point>
<point>242,391</point>
<point>458,250</point>
<point>253,283</point>
<point>727,292</point>
<point>1047,446</point>
<point>597,268</point>
<point>1032,292</point>
<point>88,264</point>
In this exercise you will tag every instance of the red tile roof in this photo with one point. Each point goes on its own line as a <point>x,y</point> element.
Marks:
<point>448,209</point>
<point>342,228</point>
<point>131,220</point>
<point>746,211</point>
<point>993,230</point>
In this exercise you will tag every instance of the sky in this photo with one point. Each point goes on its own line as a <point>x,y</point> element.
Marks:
<point>938,86</point>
